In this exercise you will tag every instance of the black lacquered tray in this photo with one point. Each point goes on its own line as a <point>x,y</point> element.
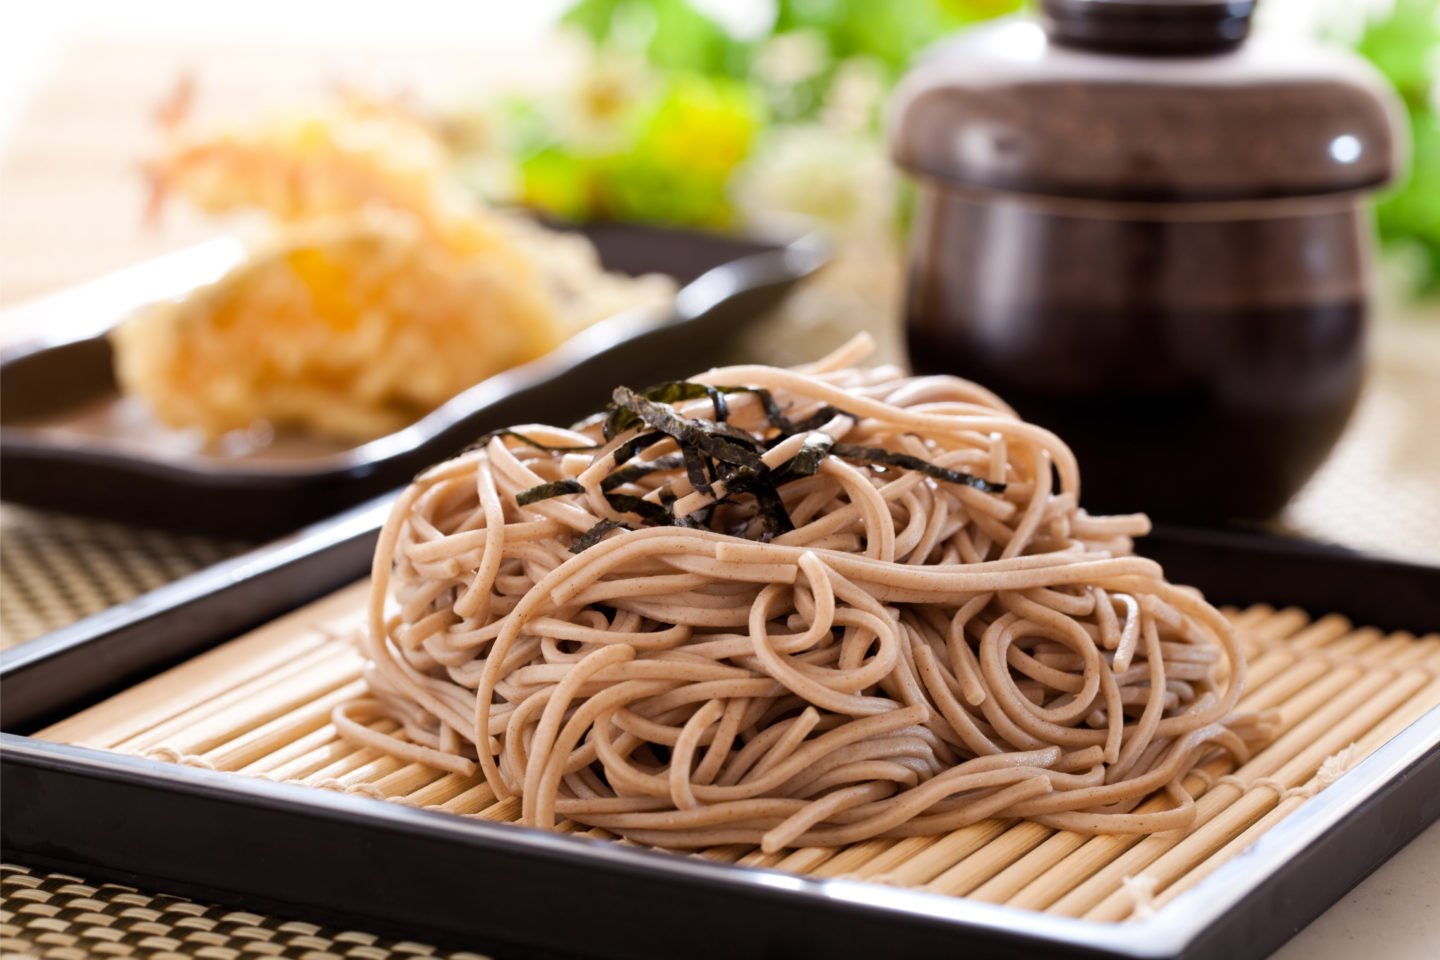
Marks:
<point>53,455</point>
<point>510,890</point>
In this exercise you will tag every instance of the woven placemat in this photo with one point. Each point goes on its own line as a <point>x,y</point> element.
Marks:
<point>56,569</point>
<point>57,916</point>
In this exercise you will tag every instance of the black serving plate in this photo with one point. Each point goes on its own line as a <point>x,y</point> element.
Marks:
<point>61,447</point>
<point>454,880</point>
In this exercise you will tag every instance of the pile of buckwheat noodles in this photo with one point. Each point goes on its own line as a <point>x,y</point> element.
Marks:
<point>792,607</point>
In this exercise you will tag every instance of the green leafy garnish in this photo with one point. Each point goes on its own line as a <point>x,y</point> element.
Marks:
<point>1403,42</point>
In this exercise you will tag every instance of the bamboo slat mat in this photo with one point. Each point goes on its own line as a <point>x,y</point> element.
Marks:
<point>260,706</point>
<point>55,569</point>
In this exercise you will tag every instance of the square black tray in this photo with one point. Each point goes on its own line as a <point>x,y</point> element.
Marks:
<point>454,880</point>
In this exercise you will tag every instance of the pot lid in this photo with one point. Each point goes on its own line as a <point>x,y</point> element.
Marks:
<point>1147,100</point>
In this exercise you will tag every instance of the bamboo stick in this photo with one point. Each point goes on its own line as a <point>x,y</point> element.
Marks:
<point>873,858</point>
<point>211,677</point>
<point>245,708</point>
<point>440,791</point>
<point>266,739</point>
<point>1324,705</point>
<point>1037,879</point>
<point>214,672</point>
<point>319,752</point>
<point>1332,728</point>
<point>1212,837</point>
<point>1424,700</point>
<point>986,862</point>
<point>472,801</point>
<point>946,851</point>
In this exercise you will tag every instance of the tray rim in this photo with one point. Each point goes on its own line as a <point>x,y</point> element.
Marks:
<point>101,304</point>
<point>726,282</point>
<point>1170,932</point>
<point>1166,933</point>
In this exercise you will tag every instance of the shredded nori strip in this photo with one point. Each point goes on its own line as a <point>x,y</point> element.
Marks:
<point>655,514</point>
<point>819,418</point>
<point>555,488</point>
<point>637,470</point>
<point>627,450</point>
<point>784,424</point>
<point>716,452</point>
<point>701,471</point>
<point>846,451</point>
<point>595,534</point>
<point>548,448</point>
<point>773,413</point>
<point>622,418</point>
<point>804,464</point>
<point>731,446</point>
<point>769,507</point>
<point>699,520</point>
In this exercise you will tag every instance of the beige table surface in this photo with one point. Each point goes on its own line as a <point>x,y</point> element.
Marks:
<point>70,208</point>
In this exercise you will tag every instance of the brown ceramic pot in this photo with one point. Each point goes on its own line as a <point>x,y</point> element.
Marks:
<point>1150,237</point>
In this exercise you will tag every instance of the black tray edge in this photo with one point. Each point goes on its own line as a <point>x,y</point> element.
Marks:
<point>1332,842</point>
<point>156,630</point>
<point>134,810</point>
<point>1242,566</point>
<point>171,811</point>
<point>743,279</point>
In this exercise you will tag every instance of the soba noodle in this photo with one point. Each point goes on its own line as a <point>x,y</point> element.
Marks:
<point>917,641</point>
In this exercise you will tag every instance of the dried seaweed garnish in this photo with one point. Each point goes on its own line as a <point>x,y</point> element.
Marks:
<point>773,413</point>
<point>635,471</point>
<point>595,534</point>
<point>699,469</point>
<point>784,424</point>
<point>727,445</point>
<point>770,510</point>
<point>655,514</point>
<point>846,451</point>
<point>699,519</point>
<point>530,442</point>
<point>628,450</point>
<point>555,488</point>
<point>622,418</point>
<point>804,464</point>
<point>716,453</point>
